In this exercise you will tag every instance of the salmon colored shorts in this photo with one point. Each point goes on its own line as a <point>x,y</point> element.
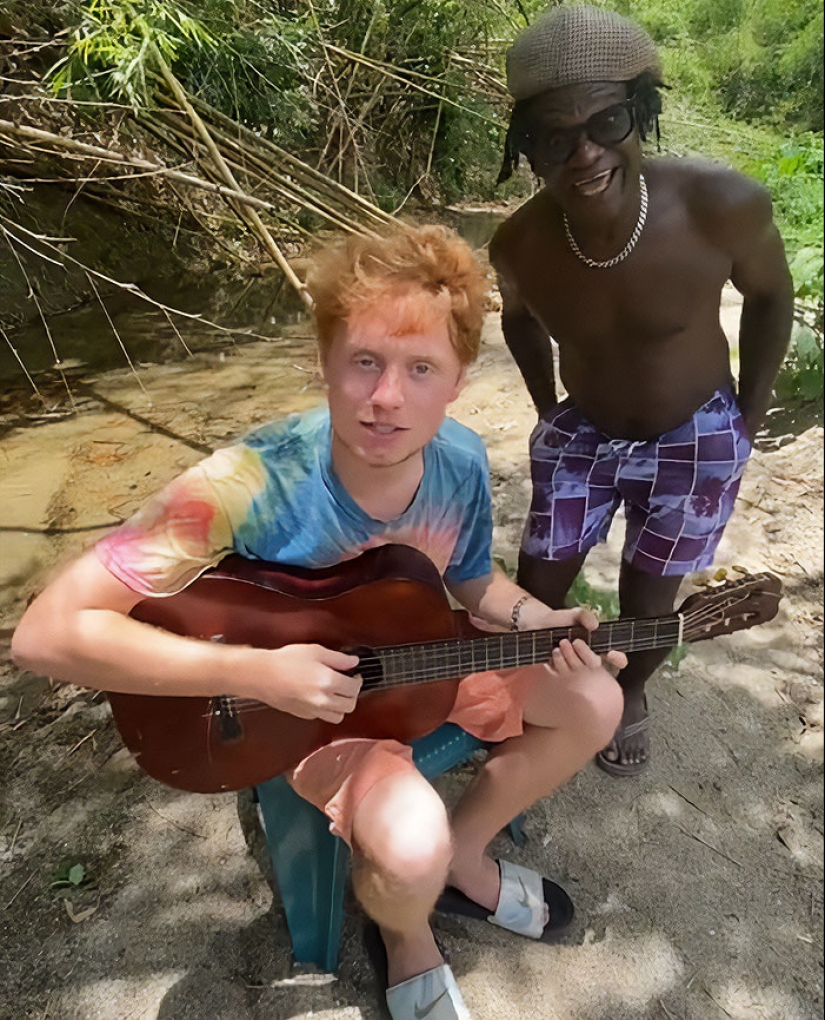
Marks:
<point>336,778</point>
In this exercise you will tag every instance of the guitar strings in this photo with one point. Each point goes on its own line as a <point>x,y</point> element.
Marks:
<point>542,645</point>
<point>434,668</point>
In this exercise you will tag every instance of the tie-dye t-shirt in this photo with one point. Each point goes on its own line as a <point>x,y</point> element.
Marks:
<point>275,496</point>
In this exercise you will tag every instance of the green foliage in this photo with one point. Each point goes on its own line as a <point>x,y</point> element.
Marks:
<point>69,875</point>
<point>259,79</point>
<point>109,50</point>
<point>802,376</point>
<point>677,656</point>
<point>377,93</point>
<point>424,113</point>
<point>603,602</point>
<point>761,59</point>
<point>794,177</point>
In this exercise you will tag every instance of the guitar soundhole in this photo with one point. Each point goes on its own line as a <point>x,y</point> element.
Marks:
<point>230,727</point>
<point>369,666</point>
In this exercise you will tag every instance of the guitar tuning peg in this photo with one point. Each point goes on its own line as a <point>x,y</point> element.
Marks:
<point>739,570</point>
<point>721,574</point>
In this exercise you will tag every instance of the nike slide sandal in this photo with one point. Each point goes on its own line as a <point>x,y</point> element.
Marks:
<point>528,904</point>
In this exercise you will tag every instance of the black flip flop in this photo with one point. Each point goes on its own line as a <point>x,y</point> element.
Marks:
<point>618,769</point>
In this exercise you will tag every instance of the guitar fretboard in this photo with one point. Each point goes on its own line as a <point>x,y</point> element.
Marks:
<point>395,665</point>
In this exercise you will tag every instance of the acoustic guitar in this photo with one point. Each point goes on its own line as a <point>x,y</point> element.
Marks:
<point>389,607</point>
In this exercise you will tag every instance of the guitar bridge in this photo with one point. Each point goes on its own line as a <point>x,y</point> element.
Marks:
<point>228,722</point>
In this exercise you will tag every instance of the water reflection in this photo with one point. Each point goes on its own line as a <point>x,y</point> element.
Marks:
<point>477,226</point>
<point>85,337</point>
<point>261,306</point>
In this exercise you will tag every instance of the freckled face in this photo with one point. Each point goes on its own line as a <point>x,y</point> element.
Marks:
<point>391,377</point>
<point>597,179</point>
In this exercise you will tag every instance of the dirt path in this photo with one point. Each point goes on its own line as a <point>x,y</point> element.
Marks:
<point>699,885</point>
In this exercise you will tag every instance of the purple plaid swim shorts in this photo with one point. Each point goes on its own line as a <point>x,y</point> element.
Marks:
<point>678,490</point>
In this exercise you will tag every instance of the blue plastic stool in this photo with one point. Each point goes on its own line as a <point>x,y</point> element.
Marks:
<point>311,865</point>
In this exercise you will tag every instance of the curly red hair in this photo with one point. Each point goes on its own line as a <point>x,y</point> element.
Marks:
<point>354,274</point>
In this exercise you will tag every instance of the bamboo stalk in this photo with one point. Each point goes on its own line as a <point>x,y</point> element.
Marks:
<point>250,215</point>
<point>386,69</point>
<point>172,139</point>
<point>298,167</point>
<point>342,106</point>
<point>280,183</point>
<point>96,152</point>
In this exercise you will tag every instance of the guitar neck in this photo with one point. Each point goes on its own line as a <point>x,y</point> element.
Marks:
<point>439,660</point>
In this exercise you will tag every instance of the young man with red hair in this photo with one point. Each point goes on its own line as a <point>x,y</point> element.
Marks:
<point>399,322</point>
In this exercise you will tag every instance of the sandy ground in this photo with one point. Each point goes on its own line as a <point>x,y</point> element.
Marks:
<point>698,885</point>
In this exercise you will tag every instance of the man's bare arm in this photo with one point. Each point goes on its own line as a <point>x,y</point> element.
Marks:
<point>79,630</point>
<point>530,346</point>
<point>744,224</point>
<point>766,285</point>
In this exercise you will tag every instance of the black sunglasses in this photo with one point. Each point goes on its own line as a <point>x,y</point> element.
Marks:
<point>606,127</point>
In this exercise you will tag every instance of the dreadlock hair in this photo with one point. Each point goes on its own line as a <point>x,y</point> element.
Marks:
<point>644,91</point>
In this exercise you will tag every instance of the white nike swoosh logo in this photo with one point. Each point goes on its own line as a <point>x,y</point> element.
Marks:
<point>422,1011</point>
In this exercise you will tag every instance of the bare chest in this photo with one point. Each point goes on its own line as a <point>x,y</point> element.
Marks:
<point>670,284</point>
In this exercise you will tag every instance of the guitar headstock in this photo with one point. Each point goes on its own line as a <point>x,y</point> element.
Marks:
<point>731,606</point>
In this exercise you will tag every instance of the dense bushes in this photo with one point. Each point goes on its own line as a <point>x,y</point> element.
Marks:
<point>388,96</point>
<point>398,94</point>
<point>759,59</point>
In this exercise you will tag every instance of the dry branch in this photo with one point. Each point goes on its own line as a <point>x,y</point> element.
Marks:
<point>311,177</point>
<point>130,288</point>
<point>179,136</point>
<point>249,215</point>
<point>59,143</point>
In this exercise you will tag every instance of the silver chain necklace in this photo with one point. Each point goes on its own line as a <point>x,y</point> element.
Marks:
<point>628,248</point>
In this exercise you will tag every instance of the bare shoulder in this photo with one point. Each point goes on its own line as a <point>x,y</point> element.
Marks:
<point>726,205</point>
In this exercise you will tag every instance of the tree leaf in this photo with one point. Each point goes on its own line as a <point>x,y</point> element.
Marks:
<point>76,874</point>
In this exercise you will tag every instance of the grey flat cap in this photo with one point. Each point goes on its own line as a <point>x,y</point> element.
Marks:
<point>577,44</point>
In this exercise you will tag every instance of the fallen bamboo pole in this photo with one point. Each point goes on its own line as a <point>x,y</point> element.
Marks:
<point>299,169</point>
<point>280,183</point>
<point>249,215</point>
<point>109,155</point>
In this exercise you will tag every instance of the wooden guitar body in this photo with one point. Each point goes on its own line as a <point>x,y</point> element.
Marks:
<point>390,595</point>
<point>389,607</point>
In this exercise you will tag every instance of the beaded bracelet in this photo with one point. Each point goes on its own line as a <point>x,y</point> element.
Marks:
<point>514,615</point>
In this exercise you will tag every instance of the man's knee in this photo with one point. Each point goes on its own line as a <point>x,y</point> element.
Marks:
<point>590,707</point>
<point>402,829</point>
<point>599,704</point>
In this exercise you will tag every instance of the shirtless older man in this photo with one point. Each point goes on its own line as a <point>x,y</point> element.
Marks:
<point>622,260</point>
